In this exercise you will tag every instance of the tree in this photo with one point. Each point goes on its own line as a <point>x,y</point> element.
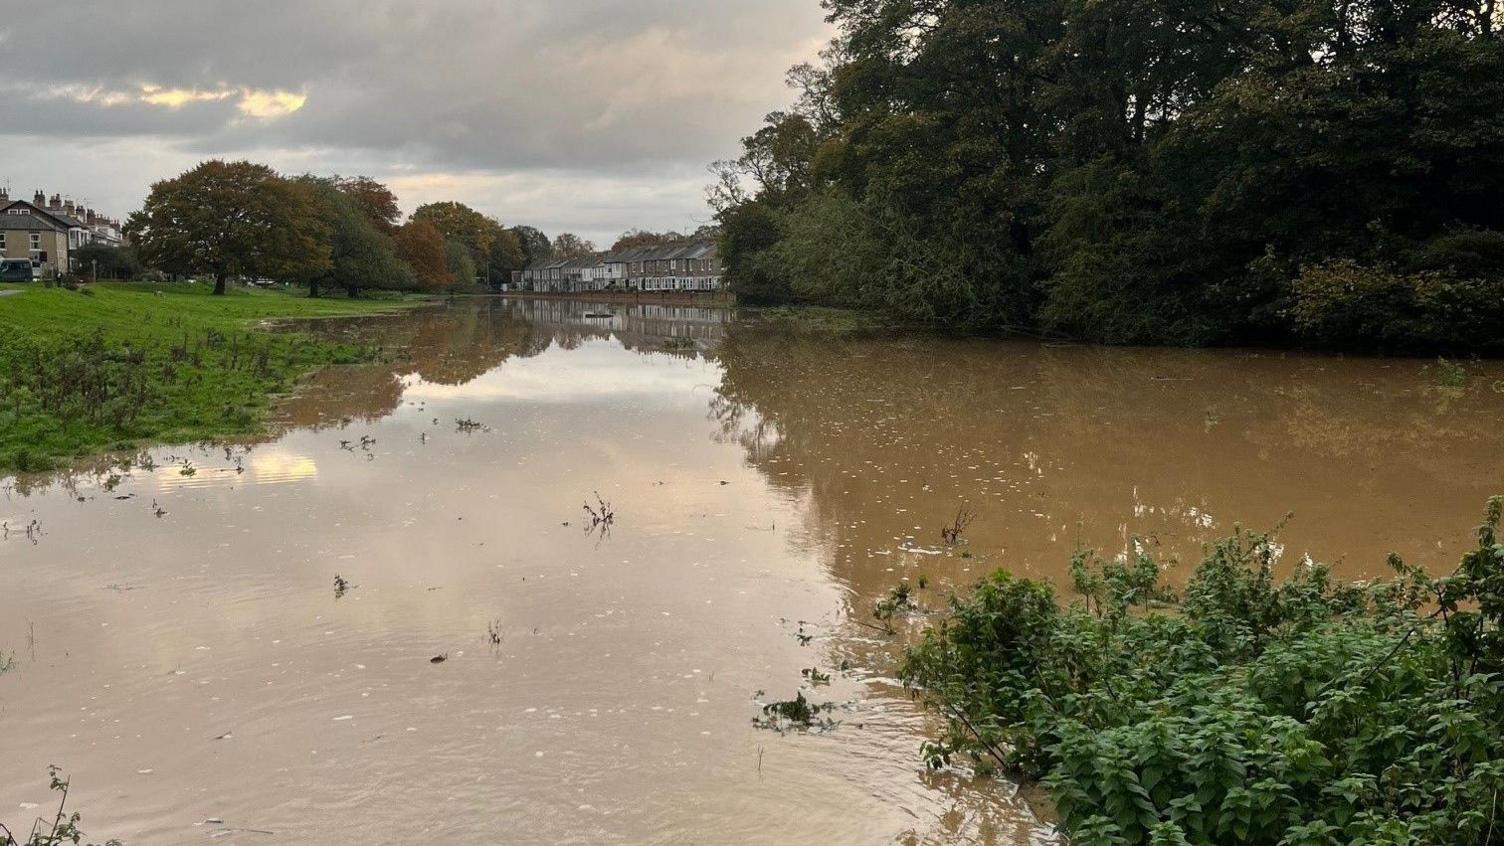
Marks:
<point>362,256</point>
<point>377,201</point>
<point>1135,171</point>
<point>570,246</point>
<point>505,257</point>
<point>422,246</point>
<point>231,219</point>
<point>109,262</point>
<point>461,267</point>
<point>644,238</point>
<point>535,245</point>
<point>459,222</point>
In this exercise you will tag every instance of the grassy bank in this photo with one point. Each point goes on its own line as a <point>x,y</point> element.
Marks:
<point>115,366</point>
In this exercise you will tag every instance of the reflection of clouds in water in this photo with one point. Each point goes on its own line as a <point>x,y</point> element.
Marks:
<point>265,466</point>
<point>596,369</point>
<point>274,466</point>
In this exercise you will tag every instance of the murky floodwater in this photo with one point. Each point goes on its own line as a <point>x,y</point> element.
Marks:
<point>198,665</point>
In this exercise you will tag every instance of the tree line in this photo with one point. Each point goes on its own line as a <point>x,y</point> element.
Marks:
<point>1327,172</point>
<point>230,220</point>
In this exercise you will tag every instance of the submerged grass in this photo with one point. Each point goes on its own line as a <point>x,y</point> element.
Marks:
<point>820,318</point>
<point>113,366</point>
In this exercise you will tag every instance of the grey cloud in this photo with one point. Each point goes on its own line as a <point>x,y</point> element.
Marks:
<point>611,88</point>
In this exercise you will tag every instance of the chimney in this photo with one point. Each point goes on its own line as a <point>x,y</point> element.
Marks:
<point>68,208</point>
<point>4,195</point>
<point>40,200</point>
<point>89,216</point>
<point>56,203</point>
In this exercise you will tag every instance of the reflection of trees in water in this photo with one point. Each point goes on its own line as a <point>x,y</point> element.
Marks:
<point>1055,444</point>
<point>462,341</point>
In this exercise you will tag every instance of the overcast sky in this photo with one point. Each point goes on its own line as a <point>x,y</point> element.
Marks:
<point>590,116</point>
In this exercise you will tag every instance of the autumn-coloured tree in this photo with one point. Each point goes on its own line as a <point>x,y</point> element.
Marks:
<point>421,245</point>
<point>459,222</point>
<point>376,200</point>
<point>231,219</point>
<point>362,256</point>
<point>568,246</point>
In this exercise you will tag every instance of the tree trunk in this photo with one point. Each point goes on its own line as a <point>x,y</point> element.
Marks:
<point>313,288</point>
<point>219,284</point>
<point>352,291</point>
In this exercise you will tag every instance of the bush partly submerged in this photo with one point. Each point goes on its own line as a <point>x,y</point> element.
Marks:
<point>1247,711</point>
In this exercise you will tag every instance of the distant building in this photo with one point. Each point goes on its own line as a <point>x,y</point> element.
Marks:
<point>49,231</point>
<point>693,265</point>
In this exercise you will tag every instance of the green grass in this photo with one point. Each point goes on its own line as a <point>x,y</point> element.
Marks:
<point>118,365</point>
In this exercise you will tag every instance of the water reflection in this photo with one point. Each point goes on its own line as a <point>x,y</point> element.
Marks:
<point>1059,446</point>
<point>769,486</point>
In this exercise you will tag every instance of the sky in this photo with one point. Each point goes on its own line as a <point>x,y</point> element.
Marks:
<point>590,116</point>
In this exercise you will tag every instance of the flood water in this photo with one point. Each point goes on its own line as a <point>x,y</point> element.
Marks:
<point>180,649</point>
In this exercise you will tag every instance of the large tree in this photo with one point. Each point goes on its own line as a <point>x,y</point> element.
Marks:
<point>377,201</point>
<point>422,246</point>
<point>505,257</point>
<point>231,219</point>
<point>459,222</point>
<point>362,256</point>
<point>460,264</point>
<point>1137,170</point>
<point>535,245</point>
<point>570,246</point>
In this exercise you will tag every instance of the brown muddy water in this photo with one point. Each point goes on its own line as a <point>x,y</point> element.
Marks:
<point>199,678</point>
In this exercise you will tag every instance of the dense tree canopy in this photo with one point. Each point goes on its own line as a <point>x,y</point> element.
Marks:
<point>506,255</point>
<point>377,201</point>
<point>232,219</point>
<point>1139,171</point>
<point>460,264</point>
<point>567,245</point>
<point>461,223</point>
<point>422,246</point>
<point>108,262</point>
<point>362,256</point>
<point>644,238</point>
<point>535,245</point>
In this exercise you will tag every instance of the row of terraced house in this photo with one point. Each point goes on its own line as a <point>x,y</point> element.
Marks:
<point>46,232</point>
<point>693,265</point>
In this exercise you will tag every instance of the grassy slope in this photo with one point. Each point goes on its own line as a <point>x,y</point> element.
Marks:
<point>132,363</point>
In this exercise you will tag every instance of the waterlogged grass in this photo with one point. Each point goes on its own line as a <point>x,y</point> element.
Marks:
<point>114,366</point>
<point>820,318</point>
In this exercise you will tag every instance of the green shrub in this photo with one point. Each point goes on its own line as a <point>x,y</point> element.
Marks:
<point>1254,712</point>
<point>1344,303</point>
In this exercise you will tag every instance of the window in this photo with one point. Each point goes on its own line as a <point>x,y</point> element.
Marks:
<point>36,242</point>
<point>22,210</point>
<point>2,243</point>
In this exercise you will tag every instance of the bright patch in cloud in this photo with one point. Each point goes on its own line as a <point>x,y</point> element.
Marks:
<point>176,98</point>
<point>269,104</point>
<point>251,102</point>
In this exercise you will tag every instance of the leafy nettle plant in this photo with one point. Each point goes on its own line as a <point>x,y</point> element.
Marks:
<point>61,828</point>
<point>1249,711</point>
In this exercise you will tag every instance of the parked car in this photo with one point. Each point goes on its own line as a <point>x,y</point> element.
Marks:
<point>17,270</point>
